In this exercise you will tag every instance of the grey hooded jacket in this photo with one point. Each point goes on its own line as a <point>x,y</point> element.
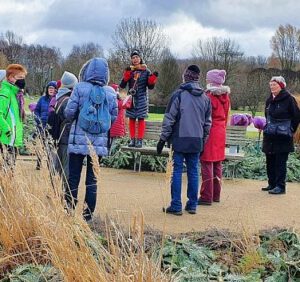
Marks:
<point>187,120</point>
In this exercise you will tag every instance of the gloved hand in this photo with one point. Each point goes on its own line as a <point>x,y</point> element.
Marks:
<point>152,78</point>
<point>127,74</point>
<point>160,145</point>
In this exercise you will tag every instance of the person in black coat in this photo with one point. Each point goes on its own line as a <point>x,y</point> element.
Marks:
<point>281,105</point>
<point>139,78</point>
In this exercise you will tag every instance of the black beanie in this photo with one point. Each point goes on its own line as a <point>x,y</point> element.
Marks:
<point>135,52</point>
<point>194,68</point>
<point>192,73</point>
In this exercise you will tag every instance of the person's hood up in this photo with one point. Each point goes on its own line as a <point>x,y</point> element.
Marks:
<point>192,87</point>
<point>62,91</point>
<point>95,71</point>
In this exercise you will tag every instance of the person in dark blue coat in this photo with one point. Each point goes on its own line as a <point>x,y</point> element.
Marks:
<point>41,114</point>
<point>42,107</point>
<point>139,79</point>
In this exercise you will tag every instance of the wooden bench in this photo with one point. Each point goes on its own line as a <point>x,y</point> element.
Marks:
<point>235,137</point>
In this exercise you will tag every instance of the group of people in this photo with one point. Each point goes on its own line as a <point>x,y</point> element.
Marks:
<point>83,116</point>
<point>195,124</point>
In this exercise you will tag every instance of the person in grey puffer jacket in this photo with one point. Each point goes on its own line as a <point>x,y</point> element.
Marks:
<point>94,73</point>
<point>186,126</point>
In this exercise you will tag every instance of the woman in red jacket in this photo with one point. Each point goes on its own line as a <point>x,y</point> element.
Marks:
<point>214,148</point>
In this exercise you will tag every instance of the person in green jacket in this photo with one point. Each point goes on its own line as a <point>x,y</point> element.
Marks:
<point>11,127</point>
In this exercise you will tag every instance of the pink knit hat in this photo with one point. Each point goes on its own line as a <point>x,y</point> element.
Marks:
<point>216,77</point>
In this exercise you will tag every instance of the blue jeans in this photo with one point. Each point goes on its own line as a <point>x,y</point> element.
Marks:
<point>75,167</point>
<point>192,165</point>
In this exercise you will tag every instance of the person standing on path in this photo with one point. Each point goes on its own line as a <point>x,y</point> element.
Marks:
<point>214,149</point>
<point>186,126</point>
<point>280,107</point>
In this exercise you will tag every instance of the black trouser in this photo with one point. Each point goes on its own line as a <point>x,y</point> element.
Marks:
<point>75,167</point>
<point>276,169</point>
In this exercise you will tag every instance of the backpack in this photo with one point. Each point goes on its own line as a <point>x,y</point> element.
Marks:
<point>56,124</point>
<point>94,116</point>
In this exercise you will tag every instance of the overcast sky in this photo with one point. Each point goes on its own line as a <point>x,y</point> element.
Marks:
<point>63,23</point>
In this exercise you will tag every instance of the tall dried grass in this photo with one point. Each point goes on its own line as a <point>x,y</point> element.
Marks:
<point>35,228</point>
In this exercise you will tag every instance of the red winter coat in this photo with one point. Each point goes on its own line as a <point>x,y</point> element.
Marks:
<point>214,148</point>
<point>118,127</point>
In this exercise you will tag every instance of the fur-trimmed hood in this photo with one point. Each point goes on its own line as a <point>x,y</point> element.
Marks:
<point>218,90</point>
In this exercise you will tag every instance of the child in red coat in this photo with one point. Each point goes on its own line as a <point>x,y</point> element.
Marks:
<point>117,129</point>
<point>214,149</point>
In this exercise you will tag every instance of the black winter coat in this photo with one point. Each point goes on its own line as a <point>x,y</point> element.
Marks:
<point>283,106</point>
<point>140,99</point>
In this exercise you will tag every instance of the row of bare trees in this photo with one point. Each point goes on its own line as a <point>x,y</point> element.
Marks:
<point>247,76</point>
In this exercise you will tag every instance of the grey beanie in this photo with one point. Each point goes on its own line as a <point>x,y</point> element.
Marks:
<point>2,74</point>
<point>68,80</point>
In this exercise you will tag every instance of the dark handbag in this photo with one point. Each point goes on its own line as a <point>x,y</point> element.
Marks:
<point>278,127</point>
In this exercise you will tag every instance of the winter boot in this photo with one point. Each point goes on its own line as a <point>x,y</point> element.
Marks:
<point>139,143</point>
<point>132,142</point>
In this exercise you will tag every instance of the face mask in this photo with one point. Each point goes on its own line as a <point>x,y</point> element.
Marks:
<point>20,83</point>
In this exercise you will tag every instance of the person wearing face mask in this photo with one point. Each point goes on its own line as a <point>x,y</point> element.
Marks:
<point>41,113</point>
<point>283,117</point>
<point>11,127</point>
<point>139,79</point>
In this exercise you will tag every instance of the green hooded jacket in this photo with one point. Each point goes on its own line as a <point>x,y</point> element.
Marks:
<point>11,127</point>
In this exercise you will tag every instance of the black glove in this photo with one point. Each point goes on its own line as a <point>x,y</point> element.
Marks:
<point>160,145</point>
<point>155,73</point>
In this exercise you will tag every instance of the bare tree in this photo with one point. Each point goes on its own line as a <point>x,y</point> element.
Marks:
<point>218,53</point>
<point>115,65</point>
<point>286,44</point>
<point>141,34</point>
<point>169,77</point>
<point>41,62</point>
<point>80,54</point>
<point>3,61</point>
<point>11,46</point>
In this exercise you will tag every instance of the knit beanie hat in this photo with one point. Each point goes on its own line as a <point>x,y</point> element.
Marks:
<point>216,77</point>
<point>280,80</point>
<point>51,84</point>
<point>192,73</point>
<point>2,74</point>
<point>135,52</point>
<point>58,83</point>
<point>68,80</point>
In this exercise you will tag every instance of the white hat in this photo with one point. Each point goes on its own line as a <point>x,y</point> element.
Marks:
<point>280,80</point>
